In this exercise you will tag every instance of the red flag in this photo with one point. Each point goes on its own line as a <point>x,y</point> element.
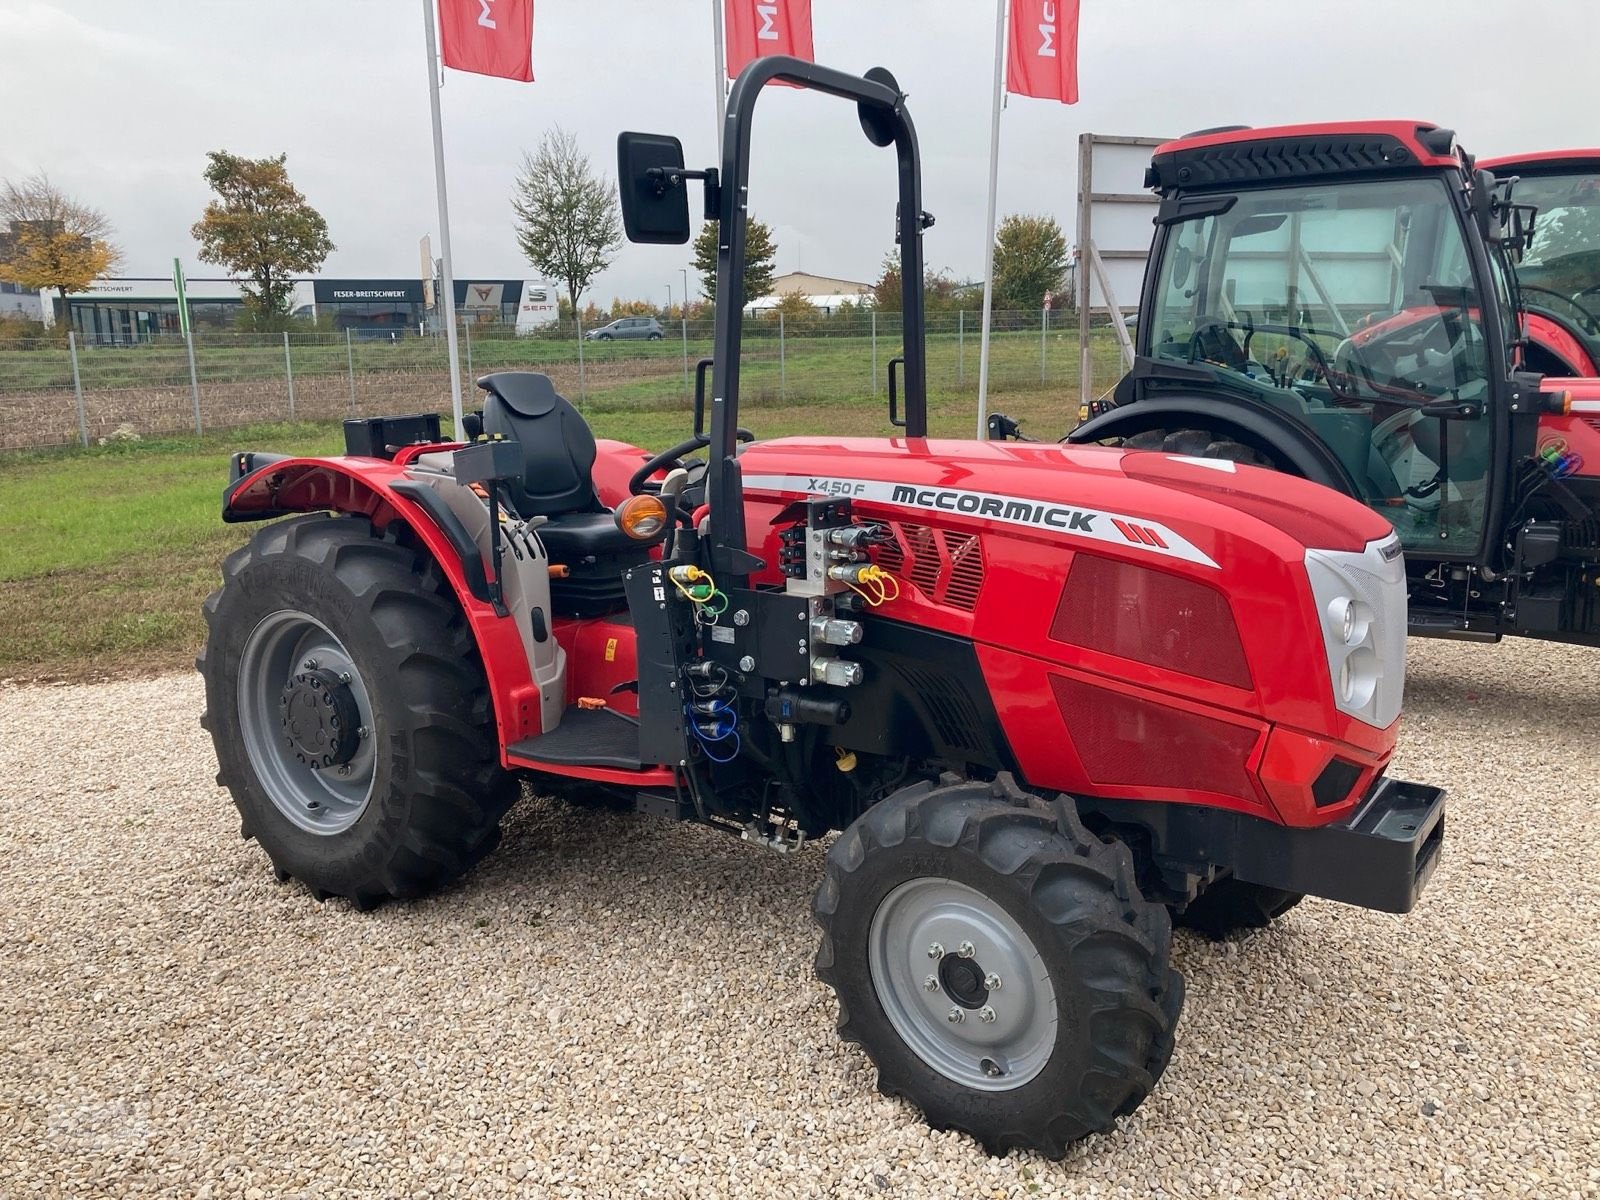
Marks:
<point>757,28</point>
<point>1042,51</point>
<point>488,37</point>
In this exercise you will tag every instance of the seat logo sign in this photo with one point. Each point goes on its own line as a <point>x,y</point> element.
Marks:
<point>1093,524</point>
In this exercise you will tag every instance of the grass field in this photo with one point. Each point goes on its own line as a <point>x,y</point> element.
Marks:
<point>106,554</point>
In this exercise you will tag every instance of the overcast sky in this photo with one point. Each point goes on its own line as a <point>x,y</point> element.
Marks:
<point>119,102</point>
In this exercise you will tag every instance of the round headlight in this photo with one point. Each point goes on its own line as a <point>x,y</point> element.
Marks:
<point>1348,622</point>
<point>1344,616</point>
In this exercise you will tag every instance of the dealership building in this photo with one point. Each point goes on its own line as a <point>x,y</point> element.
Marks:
<point>138,309</point>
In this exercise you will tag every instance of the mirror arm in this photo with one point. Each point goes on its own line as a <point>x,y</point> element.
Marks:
<point>665,179</point>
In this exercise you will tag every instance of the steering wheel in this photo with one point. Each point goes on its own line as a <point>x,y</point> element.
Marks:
<point>1589,320</point>
<point>640,482</point>
<point>1211,342</point>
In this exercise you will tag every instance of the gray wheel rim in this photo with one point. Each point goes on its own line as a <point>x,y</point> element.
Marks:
<point>994,1046</point>
<point>326,801</point>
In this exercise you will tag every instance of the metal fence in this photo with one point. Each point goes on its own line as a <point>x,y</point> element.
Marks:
<point>63,393</point>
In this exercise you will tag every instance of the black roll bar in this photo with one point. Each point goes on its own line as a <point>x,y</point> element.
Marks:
<point>884,117</point>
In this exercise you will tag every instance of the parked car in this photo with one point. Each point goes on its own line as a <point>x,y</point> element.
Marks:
<point>627,327</point>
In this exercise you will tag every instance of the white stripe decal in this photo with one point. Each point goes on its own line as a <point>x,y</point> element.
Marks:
<point>1073,521</point>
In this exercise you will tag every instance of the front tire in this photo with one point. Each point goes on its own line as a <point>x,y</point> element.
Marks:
<point>1231,905</point>
<point>349,711</point>
<point>998,964</point>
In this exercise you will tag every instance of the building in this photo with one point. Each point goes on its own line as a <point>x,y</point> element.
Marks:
<point>825,291</point>
<point>143,308</point>
<point>18,301</point>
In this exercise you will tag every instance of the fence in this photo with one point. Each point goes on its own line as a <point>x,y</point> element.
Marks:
<point>55,393</point>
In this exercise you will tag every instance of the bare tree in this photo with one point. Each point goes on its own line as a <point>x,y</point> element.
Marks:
<point>567,220</point>
<point>50,240</point>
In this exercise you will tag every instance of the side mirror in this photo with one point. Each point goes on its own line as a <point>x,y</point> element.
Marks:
<point>651,181</point>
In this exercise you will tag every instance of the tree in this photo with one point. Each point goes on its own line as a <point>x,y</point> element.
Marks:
<point>261,229</point>
<point>567,220</point>
<point>797,311</point>
<point>1030,259</point>
<point>939,292</point>
<point>51,240</point>
<point>759,252</point>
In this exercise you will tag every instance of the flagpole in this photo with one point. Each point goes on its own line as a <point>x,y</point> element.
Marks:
<point>447,282</point>
<point>722,73</point>
<point>988,244</point>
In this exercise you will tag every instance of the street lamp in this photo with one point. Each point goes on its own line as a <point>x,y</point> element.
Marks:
<point>669,302</point>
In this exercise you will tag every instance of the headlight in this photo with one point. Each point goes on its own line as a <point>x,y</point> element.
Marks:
<point>1361,604</point>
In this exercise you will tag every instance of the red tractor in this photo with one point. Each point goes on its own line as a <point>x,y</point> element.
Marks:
<point>1339,302</point>
<point>1049,696</point>
<point>1558,276</point>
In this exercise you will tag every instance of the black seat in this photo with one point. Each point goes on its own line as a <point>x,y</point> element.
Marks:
<point>558,454</point>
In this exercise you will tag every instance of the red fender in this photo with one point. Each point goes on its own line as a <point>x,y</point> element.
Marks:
<point>366,486</point>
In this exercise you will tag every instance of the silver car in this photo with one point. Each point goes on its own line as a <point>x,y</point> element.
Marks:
<point>628,327</point>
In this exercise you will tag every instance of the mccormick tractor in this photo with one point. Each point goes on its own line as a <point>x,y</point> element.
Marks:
<point>1558,275</point>
<point>1338,302</point>
<point>1048,696</point>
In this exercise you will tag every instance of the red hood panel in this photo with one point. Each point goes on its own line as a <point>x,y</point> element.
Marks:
<point>1095,492</point>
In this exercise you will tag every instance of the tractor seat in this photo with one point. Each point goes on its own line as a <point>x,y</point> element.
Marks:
<point>557,483</point>
<point>558,454</point>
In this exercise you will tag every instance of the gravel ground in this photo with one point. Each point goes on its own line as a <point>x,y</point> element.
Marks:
<point>620,1006</point>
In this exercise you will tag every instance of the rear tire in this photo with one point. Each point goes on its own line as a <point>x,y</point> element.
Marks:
<point>307,603</point>
<point>1199,443</point>
<point>1231,905</point>
<point>1067,1006</point>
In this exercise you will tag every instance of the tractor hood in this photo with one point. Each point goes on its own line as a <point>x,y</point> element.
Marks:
<point>1164,505</point>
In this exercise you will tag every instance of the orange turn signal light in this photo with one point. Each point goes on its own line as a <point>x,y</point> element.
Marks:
<point>642,518</point>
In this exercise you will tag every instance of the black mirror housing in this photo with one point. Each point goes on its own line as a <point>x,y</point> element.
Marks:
<point>652,187</point>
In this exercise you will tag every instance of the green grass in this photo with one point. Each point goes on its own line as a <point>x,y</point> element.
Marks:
<point>107,553</point>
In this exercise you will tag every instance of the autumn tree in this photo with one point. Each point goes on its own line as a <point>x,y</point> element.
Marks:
<point>50,240</point>
<point>1030,259</point>
<point>567,221</point>
<point>939,290</point>
<point>261,229</point>
<point>759,252</point>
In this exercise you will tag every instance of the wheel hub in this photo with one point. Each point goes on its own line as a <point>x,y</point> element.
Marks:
<point>320,718</point>
<point>982,1013</point>
<point>962,980</point>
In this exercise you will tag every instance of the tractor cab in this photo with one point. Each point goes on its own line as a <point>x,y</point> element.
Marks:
<point>1340,302</point>
<point>1558,277</point>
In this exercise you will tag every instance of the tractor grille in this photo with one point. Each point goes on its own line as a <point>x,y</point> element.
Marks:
<point>949,708</point>
<point>946,567</point>
<point>1581,539</point>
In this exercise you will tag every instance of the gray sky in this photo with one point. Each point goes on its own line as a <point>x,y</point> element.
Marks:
<point>119,102</point>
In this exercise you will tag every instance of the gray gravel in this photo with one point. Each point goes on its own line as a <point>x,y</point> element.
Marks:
<point>619,1006</point>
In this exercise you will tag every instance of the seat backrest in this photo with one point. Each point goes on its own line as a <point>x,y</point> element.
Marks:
<point>557,447</point>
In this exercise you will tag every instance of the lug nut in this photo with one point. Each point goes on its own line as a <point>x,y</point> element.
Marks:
<point>956,1016</point>
<point>345,769</point>
<point>986,1015</point>
<point>931,983</point>
<point>991,983</point>
<point>992,1068</point>
<point>966,950</point>
<point>364,731</point>
<point>311,664</point>
<point>344,676</point>
<point>935,950</point>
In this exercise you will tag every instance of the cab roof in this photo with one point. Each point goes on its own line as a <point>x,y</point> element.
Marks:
<point>1543,162</point>
<point>1242,156</point>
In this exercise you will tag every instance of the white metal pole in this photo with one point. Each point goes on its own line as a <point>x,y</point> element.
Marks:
<point>448,281</point>
<point>988,241</point>
<point>722,73</point>
<point>288,371</point>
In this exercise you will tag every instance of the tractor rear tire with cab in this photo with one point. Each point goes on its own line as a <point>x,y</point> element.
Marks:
<point>350,713</point>
<point>998,964</point>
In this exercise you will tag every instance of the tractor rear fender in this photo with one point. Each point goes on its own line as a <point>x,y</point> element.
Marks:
<point>1285,441</point>
<point>268,486</point>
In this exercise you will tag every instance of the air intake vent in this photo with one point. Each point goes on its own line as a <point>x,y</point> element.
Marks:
<point>946,567</point>
<point>950,710</point>
<point>1261,160</point>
